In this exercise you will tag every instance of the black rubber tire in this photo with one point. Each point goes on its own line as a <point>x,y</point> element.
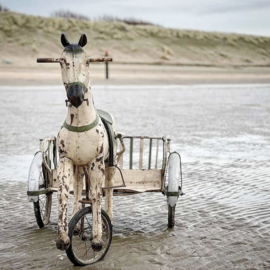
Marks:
<point>171,216</point>
<point>42,209</point>
<point>76,237</point>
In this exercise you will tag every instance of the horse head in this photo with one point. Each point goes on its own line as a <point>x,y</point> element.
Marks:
<point>74,64</point>
<point>74,67</point>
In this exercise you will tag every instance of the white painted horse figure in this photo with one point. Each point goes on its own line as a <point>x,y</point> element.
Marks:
<point>83,145</point>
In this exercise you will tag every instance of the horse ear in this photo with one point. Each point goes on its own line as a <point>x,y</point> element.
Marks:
<point>83,40</point>
<point>64,40</point>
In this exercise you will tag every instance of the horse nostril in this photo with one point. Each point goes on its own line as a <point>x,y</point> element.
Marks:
<point>75,93</point>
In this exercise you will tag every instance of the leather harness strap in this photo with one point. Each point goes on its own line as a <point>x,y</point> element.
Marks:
<point>107,122</point>
<point>109,130</point>
<point>82,128</point>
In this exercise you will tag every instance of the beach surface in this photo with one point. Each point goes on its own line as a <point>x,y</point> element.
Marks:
<point>129,74</point>
<point>208,92</point>
<point>223,135</point>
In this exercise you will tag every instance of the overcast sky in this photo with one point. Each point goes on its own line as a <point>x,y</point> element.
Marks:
<point>238,16</point>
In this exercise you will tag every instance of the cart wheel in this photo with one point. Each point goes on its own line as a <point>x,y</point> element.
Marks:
<point>80,250</point>
<point>173,186</point>
<point>42,207</point>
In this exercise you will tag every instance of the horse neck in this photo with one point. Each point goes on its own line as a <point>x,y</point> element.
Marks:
<point>85,114</point>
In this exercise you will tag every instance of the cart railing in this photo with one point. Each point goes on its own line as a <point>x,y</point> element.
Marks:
<point>144,153</point>
<point>50,158</point>
<point>153,155</point>
<point>141,157</point>
<point>49,150</point>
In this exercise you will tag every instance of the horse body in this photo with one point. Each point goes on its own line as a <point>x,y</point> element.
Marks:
<point>82,153</point>
<point>83,147</point>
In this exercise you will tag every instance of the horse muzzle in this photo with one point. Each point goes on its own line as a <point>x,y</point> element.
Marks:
<point>75,93</point>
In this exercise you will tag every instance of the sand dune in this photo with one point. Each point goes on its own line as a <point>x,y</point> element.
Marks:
<point>24,38</point>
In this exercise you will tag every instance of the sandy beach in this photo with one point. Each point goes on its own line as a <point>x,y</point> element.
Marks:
<point>208,91</point>
<point>207,235</point>
<point>120,74</point>
<point>222,132</point>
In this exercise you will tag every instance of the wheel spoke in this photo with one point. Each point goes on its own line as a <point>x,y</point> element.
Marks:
<point>88,221</point>
<point>43,205</point>
<point>86,250</point>
<point>42,202</point>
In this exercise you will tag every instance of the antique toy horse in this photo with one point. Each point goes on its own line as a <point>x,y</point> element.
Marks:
<point>82,143</point>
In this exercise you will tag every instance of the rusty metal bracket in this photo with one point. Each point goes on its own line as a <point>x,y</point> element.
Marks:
<point>120,153</point>
<point>39,192</point>
<point>124,184</point>
<point>67,101</point>
<point>85,201</point>
<point>87,101</point>
<point>175,193</point>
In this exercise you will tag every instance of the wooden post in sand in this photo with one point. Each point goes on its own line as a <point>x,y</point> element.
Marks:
<point>107,66</point>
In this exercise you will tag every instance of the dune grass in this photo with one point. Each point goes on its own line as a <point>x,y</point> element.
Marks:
<point>24,37</point>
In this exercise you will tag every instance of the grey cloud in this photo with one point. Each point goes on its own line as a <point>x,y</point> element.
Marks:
<point>235,6</point>
<point>242,16</point>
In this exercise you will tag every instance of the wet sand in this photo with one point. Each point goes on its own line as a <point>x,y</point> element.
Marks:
<point>208,235</point>
<point>222,222</point>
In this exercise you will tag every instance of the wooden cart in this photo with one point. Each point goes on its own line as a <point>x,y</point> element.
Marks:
<point>145,164</point>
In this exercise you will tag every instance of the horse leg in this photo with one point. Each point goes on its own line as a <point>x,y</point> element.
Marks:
<point>77,188</point>
<point>64,174</point>
<point>109,174</point>
<point>97,176</point>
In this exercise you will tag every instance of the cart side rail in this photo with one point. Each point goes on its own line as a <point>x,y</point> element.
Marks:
<point>143,153</point>
<point>49,150</point>
<point>139,180</point>
<point>142,160</point>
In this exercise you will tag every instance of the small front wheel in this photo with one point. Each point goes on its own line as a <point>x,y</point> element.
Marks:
<point>80,228</point>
